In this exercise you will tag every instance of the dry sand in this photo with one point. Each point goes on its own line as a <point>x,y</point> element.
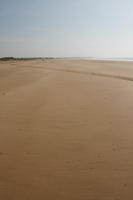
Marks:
<point>66,130</point>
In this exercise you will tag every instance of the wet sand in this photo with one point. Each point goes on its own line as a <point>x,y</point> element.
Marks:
<point>66,130</point>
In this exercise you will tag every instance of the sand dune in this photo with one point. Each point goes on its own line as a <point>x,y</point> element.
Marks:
<point>66,130</point>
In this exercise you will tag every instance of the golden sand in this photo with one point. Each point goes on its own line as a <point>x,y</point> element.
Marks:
<point>66,130</point>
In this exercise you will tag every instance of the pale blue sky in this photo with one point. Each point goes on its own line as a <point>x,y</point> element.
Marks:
<point>100,28</point>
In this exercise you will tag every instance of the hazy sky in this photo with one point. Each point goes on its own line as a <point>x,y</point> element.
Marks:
<point>101,28</point>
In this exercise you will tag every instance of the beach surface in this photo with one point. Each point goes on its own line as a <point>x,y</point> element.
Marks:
<point>66,130</point>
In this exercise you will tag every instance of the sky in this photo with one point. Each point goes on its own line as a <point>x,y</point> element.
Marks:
<point>66,28</point>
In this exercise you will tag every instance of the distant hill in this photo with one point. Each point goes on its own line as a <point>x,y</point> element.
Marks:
<point>7,58</point>
<point>12,58</point>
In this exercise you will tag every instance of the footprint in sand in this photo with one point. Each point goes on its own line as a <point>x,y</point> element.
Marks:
<point>3,93</point>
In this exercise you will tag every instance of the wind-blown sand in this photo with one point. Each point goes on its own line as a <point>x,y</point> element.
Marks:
<point>66,130</point>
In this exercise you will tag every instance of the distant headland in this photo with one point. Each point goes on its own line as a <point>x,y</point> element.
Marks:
<point>32,58</point>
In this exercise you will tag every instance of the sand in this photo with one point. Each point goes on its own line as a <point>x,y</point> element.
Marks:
<point>66,130</point>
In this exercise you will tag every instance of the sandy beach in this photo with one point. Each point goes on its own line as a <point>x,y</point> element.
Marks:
<point>66,130</point>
